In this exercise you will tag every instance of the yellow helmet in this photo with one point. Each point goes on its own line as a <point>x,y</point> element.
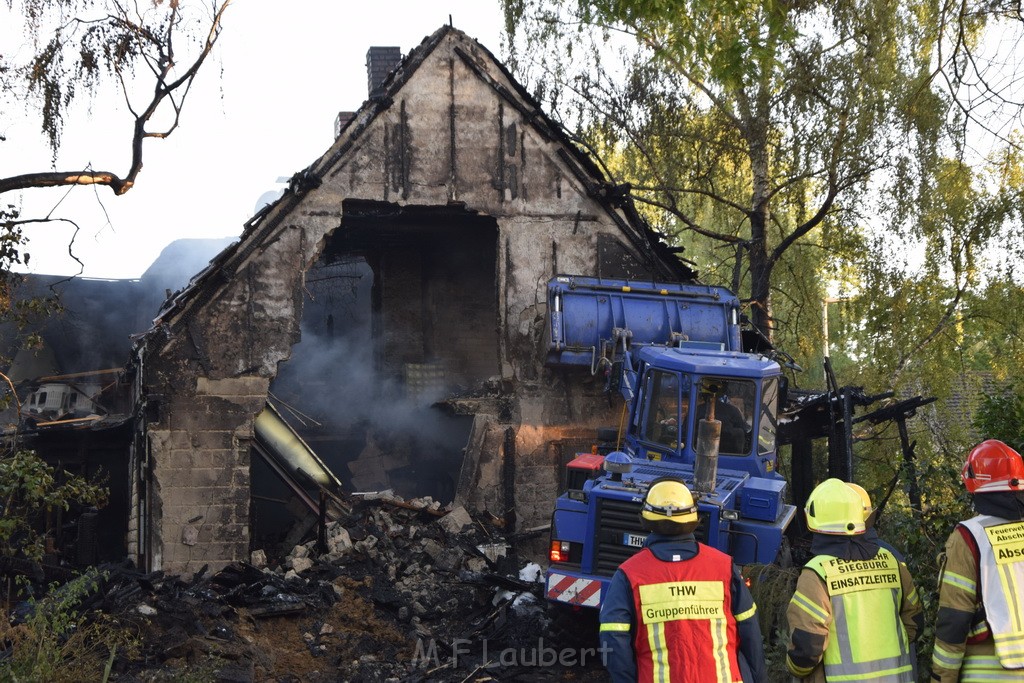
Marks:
<point>865,499</point>
<point>835,508</point>
<point>668,500</point>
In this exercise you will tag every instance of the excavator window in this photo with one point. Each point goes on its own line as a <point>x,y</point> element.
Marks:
<point>733,401</point>
<point>769,425</point>
<point>665,410</point>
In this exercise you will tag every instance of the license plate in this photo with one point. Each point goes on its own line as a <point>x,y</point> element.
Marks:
<point>633,540</point>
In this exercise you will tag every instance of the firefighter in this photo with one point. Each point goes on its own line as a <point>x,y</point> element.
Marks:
<point>979,628</point>
<point>855,612</point>
<point>679,610</point>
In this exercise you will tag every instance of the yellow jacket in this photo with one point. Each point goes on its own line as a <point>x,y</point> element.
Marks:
<point>810,613</point>
<point>960,626</point>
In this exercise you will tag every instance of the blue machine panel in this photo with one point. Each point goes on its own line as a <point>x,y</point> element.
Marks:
<point>584,310</point>
<point>762,499</point>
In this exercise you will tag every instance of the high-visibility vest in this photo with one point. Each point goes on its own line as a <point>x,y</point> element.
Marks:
<point>866,638</point>
<point>1001,570</point>
<point>685,628</point>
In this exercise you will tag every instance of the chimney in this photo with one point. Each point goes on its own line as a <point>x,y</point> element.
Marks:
<point>380,61</point>
<point>341,121</point>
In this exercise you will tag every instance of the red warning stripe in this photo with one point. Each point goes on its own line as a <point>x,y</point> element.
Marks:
<point>560,589</point>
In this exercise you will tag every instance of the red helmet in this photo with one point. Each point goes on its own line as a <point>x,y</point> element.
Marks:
<point>993,466</point>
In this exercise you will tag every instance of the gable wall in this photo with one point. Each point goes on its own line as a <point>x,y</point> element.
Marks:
<point>446,137</point>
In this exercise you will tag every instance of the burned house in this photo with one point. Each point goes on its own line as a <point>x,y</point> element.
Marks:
<point>390,307</point>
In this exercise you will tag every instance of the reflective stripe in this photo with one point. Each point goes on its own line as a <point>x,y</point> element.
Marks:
<point>573,590</point>
<point>656,640</point>
<point>719,650</point>
<point>798,671</point>
<point>959,581</point>
<point>838,528</point>
<point>1011,651</point>
<point>901,674</point>
<point>1007,576</point>
<point>914,598</point>
<point>840,627</point>
<point>718,640</point>
<point>613,626</point>
<point>983,669</point>
<point>946,659</point>
<point>743,616</point>
<point>801,601</point>
<point>1001,555</point>
<point>981,628</point>
<point>898,669</point>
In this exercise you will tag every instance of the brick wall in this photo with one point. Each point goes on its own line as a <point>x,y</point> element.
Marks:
<point>380,61</point>
<point>203,474</point>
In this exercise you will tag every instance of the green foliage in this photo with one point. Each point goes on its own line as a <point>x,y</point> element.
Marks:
<point>798,152</point>
<point>57,643</point>
<point>1001,416</point>
<point>29,490</point>
<point>921,536</point>
<point>761,127</point>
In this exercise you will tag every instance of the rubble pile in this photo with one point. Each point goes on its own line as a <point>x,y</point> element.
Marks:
<point>397,591</point>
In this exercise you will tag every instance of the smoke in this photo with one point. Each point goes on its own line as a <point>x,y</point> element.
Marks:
<point>334,377</point>
<point>93,332</point>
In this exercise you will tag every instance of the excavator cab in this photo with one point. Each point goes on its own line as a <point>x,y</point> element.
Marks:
<point>678,389</point>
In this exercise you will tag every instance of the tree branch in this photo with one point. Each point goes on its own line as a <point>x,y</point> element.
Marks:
<point>60,178</point>
<point>689,222</point>
<point>164,91</point>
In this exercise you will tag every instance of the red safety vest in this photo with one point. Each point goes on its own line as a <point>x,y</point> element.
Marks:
<point>686,631</point>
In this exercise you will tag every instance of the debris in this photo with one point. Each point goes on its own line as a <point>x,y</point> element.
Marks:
<point>301,564</point>
<point>531,572</point>
<point>493,551</point>
<point>394,597</point>
<point>456,520</point>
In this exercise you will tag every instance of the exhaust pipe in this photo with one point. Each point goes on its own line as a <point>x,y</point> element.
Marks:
<point>705,467</point>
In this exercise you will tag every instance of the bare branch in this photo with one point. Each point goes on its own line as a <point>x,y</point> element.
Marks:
<point>173,93</point>
<point>58,178</point>
<point>725,201</point>
<point>689,222</point>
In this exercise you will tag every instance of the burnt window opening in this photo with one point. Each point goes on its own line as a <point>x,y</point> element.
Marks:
<point>400,320</point>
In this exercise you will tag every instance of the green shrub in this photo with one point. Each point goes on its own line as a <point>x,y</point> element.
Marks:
<point>58,644</point>
<point>30,489</point>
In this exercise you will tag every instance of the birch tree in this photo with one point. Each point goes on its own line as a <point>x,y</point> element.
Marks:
<point>759,126</point>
